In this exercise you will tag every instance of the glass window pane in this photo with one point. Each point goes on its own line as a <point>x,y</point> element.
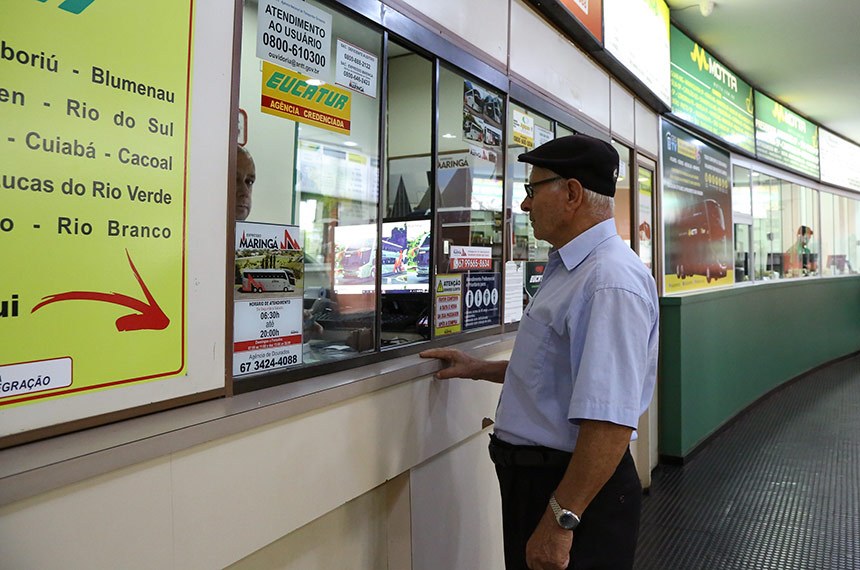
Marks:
<point>526,130</point>
<point>791,229</point>
<point>853,262</point>
<point>646,216</point>
<point>741,195</point>
<point>623,196</point>
<point>521,122</point>
<point>827,239</point>
<point>562,131</point>
<point>811,263</point>
<point>767,240</point>
<point>307,228</point>
<point>836,262</point>
<point>469,196</point>
<point>800,258</point>
<point>742,204</point>
<point>406,229</point>
<point>840,244</point>
<point>742,252</point>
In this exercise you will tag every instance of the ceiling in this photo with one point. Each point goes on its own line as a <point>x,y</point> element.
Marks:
<point>804,54</point>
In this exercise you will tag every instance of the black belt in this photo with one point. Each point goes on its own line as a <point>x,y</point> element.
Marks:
<point>505,454</point>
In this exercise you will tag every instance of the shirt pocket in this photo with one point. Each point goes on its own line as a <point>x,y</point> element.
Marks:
<point>529,356</point>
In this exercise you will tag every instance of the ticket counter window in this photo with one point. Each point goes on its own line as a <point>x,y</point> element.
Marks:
<point>306,228</point>
<point>406,244</point>
<point>469,200</point>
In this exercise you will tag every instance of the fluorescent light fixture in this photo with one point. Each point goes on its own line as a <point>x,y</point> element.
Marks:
<point>449,136</point>
<point>316,82</point>
<point>350,143</point>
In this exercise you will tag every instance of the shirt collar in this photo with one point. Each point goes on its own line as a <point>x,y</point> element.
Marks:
<point>576,250</point>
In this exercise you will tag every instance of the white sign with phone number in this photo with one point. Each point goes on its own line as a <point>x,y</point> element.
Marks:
<point>356,68</point>
<point>267,335</point>
<point>295,35</point>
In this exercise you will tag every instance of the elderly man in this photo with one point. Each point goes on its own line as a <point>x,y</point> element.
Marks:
<point>581,373</point>
<point>246,175</point>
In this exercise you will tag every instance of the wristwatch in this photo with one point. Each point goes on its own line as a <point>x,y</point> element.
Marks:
<point>566,519</point>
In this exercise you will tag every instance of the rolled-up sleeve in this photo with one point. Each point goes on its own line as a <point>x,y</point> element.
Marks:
<point>611,344</point>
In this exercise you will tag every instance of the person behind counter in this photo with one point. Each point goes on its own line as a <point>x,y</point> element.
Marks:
<point>581,373</point>
<point>246,175</point>
<point>799,259</point>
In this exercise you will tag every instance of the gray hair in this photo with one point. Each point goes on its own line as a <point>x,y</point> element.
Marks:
<point>599,206</point>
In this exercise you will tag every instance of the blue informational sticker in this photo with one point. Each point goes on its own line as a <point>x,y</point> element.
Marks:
<point>481,299</point>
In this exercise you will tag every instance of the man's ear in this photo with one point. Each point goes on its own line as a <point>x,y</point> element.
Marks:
<point>575,192</point>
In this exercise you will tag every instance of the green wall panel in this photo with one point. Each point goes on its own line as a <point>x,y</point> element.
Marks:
<point>720,351</point>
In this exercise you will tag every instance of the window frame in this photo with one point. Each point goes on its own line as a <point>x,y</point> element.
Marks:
<point>395,27</point>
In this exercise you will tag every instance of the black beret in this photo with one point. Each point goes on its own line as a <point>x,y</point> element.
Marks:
<point>591,161</point>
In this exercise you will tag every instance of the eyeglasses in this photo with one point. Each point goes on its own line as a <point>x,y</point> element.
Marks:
<point>530,188</point>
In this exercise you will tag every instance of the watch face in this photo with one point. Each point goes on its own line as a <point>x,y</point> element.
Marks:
<point>568,520</point>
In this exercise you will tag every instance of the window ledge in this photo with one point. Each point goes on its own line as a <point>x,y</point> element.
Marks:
<point>31,469</point>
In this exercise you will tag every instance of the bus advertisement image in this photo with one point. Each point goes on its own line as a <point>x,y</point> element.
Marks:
<point>702,248</point>
<point>269,259</point>
<point>268,280</point>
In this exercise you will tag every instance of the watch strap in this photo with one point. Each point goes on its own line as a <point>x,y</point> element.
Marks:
<point>561,513</point>
<point>556,508</point>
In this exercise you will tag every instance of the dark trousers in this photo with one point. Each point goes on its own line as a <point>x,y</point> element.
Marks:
<point>606,537</point>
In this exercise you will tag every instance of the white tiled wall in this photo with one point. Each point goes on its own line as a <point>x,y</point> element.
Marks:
<point>546,58</point>
<point>214,504</point>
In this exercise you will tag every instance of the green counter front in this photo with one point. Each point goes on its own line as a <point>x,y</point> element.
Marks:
<point>723,350</point>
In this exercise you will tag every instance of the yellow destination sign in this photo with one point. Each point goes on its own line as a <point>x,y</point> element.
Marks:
<point>93,122</point>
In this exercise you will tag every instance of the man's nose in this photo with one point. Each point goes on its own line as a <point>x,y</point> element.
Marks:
<point>526,204</point>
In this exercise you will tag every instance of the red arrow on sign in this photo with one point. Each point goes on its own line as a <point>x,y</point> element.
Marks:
<point>149,317</point>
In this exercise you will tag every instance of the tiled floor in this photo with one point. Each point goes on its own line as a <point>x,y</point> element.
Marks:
<point>778,490</point>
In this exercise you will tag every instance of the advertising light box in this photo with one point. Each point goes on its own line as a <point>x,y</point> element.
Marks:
<point>707,94</point>
<point>840,161</point>
<point>637,35</point>
<point>697,212</point>
<point>784,137</point>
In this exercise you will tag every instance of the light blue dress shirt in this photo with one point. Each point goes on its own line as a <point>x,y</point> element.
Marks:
<point>586,348</point>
